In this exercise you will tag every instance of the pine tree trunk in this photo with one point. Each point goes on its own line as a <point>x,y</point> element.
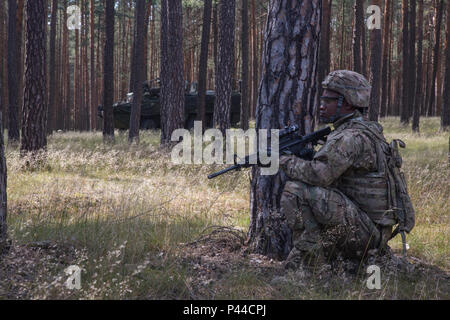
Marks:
<point>172,73</point>
<point>152,45</point>
<point>147,17</point>
<point>13,79</point>
<point>139,71</point>
<point>418,99</point>
<point>412,58</point>
<point>286,95</point>
<point>3,196</point>
<point>93,86</point>
<point>108,74</point>
<point>445,116</point>
<point>255,64</point>
<point>34,105</point>
<point>224,71</point>
<point>405,71</point>
<point>203,64</point>
<point>3,63</point>
<point>66,77</point>
<point>21,56</point>
<point>342,40</point>
<point>245,108</point>
<point>363,50</point>
<point>359,19</point>
<point>386,47</point>
<point>52,69</point>
<point>431,106</point>
<point>375,70</point>
<point>324,51</point>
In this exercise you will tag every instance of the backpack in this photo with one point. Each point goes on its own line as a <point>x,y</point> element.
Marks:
<point>399,201</point>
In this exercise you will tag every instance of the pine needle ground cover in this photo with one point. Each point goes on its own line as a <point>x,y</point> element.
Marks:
<point>140,227</point>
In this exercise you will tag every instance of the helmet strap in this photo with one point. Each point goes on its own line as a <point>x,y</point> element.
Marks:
<point>338,111</point>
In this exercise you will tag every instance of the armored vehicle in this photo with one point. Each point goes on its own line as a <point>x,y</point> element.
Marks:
<point>151,113</point>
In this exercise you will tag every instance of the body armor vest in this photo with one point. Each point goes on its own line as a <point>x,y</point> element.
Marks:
<point>371,191</point>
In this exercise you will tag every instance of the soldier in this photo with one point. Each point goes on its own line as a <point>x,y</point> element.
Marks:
<point>347,198</point>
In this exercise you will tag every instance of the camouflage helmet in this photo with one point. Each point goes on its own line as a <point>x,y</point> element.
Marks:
<point>353,86</point>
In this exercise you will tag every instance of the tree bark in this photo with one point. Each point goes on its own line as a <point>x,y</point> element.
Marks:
<point>245,68</point>
<point>139,71</point>
<point>431,107</point>
<point>172,74</point>
<point>52,69</point>
<point>203,64</point>
<point>93,86</point>
<point>445,116</point>
<point>405,59</point>
<point>21,57</point>
<point>3,195</point>
<point>324,52</point>
<point>224,71</point>
<point>359,20</point>
<point>13,81</point>
<point>386,47</point>
<point>255,62</point>
<point>108,74</point>
<point>286,96</point>
<point>412,58</point>
<point>375,70</point>
<point>34,122</point>
<point>3,63</point>
<point>419,92</point>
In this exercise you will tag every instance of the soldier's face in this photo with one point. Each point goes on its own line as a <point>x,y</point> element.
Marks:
<point>328,105</point>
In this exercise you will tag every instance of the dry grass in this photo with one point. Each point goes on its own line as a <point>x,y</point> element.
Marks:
<point>125,214</point>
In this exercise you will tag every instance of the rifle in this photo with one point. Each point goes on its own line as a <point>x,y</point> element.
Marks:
<point>290,144</point>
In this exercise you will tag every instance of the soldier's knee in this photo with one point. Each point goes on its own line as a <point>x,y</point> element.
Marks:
<point>289,207</point>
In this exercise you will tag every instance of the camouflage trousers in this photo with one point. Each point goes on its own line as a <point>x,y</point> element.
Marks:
<point>325,219</point>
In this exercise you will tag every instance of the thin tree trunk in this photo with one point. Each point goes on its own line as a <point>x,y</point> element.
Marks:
<point>3,63</point>
<point>224,71</point>
<point>359,19</point>
<point>375,70</point>
<point>286,95</point>
<point>13,81</point>
<point>147,17</point>
<point>93,86</point>
<point>108,74</point>
<point>412,57</point>
<point>418,99</point>
<point>3,195</point>
<point>52,69</point>
<point>363,50</point>
<point>152,44</point>
<point>245,68</point>
<point>203,64</point>
<point>324,52</point>
<point>21,56</point>
<point>139,71</point>
<point>255,63</point>
<point>431,107</point>
<point>445,116</point>
<point>34,136</point>
<point>405,71</point>
<point>67,99</point>
<point>386,47</point>
<point>172,70</point>
<point>342,40</point>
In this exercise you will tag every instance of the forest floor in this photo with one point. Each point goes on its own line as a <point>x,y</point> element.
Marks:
<point>140,227</point>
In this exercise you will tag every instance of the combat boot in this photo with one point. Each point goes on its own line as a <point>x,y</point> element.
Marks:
<point>300,258</point>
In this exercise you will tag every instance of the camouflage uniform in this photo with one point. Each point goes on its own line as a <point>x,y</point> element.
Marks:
<point>339,201</point>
